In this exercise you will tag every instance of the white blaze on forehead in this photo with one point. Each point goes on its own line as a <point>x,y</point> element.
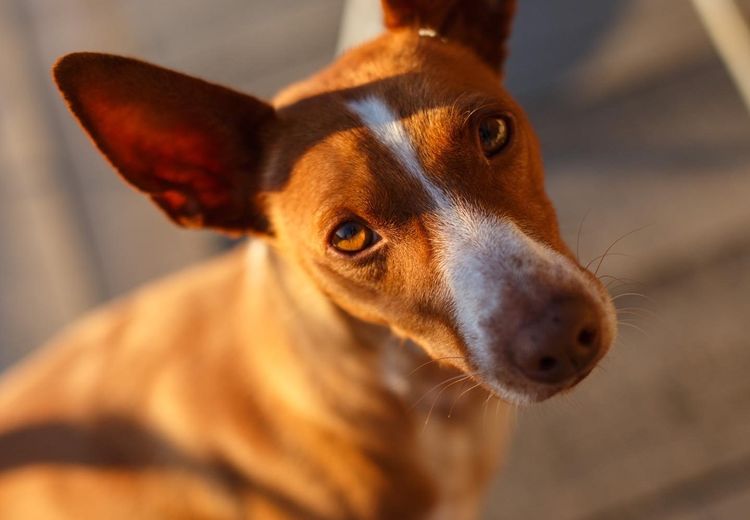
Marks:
<point>387,127</point>
<point>459,231</point>
<point>482,258</point>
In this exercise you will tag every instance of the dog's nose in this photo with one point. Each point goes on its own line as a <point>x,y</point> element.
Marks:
<point>561,344</point>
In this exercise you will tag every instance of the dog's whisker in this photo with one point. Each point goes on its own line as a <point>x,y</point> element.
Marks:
<point>603,256</point>
<point>435,361</point>
<point>484,409</point>
<point>453,404</point>
<point>640,309</point>
<point>434,401</point>
<point>615,284</point>
<point>634,312</point>
<point>578,235</point>
<point>424,396</point>
<point>613,245</point>
<point>618,285</point>
<point>640,313</point>
<point>618,282</point>
<point>620,278</point>
<point>497,408</point>
<point>636,327</point>
<point>634,294</point>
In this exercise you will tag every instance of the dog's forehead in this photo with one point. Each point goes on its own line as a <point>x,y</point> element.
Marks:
<point>368,121</point>
<point>413,75</point>
<point>389,151</point>
<point>386,122</point>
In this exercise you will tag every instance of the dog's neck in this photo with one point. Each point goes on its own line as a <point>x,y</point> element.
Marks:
<point>357,383</point>
<point>321,355</point>
<point>327,380</point>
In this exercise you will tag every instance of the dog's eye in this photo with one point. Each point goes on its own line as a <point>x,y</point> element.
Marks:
<point>352,237</point>
<point>494,134</point>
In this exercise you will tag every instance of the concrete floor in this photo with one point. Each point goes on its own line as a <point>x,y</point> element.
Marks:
<point>641,128</point>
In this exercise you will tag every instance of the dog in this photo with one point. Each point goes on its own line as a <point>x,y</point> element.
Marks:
<point>405,273</point>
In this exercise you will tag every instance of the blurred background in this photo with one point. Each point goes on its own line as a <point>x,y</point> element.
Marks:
<point>644,135</point>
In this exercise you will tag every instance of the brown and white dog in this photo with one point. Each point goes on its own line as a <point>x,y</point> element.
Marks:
<point>400,217</point>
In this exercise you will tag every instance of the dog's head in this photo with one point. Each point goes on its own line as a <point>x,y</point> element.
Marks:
<point>403,179</point>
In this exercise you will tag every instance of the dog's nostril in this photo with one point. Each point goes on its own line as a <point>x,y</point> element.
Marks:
<point>587,337</point>
<point>561,344</point>
<point>547,363</point>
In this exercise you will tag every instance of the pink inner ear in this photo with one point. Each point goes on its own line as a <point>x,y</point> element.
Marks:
<point>161,154</point>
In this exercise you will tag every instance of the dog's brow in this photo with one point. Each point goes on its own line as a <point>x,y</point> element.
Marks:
<point>387,127</point>
<point>467,104</point>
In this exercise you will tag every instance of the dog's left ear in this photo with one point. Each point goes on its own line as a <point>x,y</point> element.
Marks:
<point>481,25</point>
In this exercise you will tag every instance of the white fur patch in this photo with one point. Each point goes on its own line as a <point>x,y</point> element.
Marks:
<point>386,126</point>
<point>490,265</point>
<point>480,255</point>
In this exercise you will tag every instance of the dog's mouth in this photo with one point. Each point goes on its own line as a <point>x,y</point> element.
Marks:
<point>520,391</point>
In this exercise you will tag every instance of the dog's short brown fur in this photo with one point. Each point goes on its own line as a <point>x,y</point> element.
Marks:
<point>270,383</point>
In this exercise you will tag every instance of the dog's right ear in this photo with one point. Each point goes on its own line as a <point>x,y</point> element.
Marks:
<point>194,147</point>
<point>481,25</point>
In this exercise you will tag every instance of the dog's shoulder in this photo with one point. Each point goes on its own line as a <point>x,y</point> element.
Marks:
<point>134,334</point>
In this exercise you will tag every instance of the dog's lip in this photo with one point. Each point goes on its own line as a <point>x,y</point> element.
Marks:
<point>527,391</point>
<point>516,393</point>
<point>561,388</point>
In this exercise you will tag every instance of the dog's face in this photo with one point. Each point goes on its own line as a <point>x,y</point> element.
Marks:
<point>413,194</point>
<point>404,180</point>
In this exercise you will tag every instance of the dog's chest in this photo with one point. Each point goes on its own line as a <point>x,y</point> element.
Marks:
<point>461,430</point>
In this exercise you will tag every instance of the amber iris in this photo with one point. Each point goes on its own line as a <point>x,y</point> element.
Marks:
<point>494,134</point>
<point>352,237</point>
